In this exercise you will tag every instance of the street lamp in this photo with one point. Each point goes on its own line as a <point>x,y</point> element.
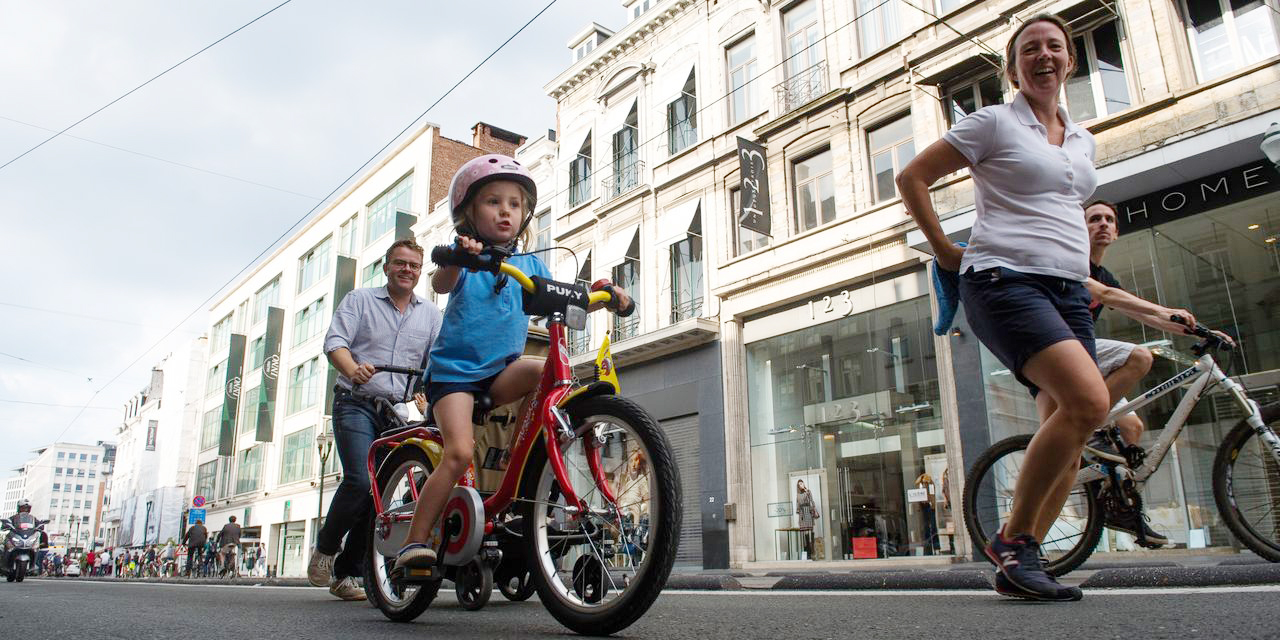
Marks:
<point>324,445</point>
<point>1271,143</point>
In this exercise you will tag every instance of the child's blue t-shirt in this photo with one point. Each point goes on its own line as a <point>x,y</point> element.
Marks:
<point>481,330</point>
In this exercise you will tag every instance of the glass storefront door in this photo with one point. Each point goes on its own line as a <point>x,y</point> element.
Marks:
<point>292,543</point>
<point>849,408</point>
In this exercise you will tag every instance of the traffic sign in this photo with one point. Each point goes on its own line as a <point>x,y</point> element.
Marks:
<point>195,514</point>
<point>197,501</point>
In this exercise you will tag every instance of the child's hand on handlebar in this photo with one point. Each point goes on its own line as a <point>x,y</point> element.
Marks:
<point>470,245</point>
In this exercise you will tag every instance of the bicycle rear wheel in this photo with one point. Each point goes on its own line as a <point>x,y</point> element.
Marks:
<point>407,466</point>
<point>1246,486</point>
<point>988,501</point>
<point>585,572</point>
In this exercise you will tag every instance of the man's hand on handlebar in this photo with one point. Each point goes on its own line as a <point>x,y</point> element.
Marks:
<point>620,303</point>
<point>362,373</point>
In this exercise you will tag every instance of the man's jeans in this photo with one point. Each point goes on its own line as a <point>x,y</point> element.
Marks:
<point>355,426</point>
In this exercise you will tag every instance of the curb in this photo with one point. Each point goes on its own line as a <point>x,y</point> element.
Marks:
<point>887,580</point>
<point>1237,575</point>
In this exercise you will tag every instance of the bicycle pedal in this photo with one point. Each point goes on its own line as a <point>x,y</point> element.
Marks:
<point>414,575</point>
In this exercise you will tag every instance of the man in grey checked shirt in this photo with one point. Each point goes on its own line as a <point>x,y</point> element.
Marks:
<point>376,325</point>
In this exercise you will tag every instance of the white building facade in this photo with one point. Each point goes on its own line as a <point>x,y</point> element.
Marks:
<point>65,484</point>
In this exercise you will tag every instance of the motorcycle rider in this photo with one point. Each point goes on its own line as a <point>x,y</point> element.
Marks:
<point>23,515</point>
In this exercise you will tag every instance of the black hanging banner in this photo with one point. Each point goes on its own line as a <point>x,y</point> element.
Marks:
<point>753,210</point>
<point>231,396</point>
<point>270,374</point>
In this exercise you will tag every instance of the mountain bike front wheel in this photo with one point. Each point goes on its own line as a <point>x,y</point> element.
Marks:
<point>988,501</point>
<point>1246,486</point>
<point>598,569</point>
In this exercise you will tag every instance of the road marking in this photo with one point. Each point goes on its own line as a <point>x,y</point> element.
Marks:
<point>1169,591</point>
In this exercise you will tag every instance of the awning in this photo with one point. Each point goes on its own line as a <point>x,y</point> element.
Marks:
<point>673,224</point>
<point>615,246</point>
<point>616,118</point>
<point>966,66</point>
<point>668,87</point>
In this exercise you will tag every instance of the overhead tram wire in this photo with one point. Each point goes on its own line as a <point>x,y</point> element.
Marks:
<point>153,79</point>
<point>300,220</point>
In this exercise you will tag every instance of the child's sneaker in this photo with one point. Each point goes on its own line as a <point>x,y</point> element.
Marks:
<point>1021,572</point>
<point>415,556</point>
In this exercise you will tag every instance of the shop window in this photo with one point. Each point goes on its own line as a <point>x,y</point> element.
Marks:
<point>686,273</point>
<point>249,470</point>
<point>627,276</point>
<point>382,211</point>
<point>265,298</point>
<point>580,174</point>
<point>741,59</point>
<point>815,200</point>
<point>745,240</point>
<point>1098,86</point>
<point>682,117</point>
<point>891,147</point>
<point>315,264</point>
<point>966,96</point>
<point>878,25</point>
<point>1226,35</point>
<point>626,156</point>
<point>805,71</point>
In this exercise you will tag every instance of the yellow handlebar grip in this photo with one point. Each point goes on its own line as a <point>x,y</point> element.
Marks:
<point>517,275</point>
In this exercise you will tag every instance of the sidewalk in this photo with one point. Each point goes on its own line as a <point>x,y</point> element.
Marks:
<point>1114,571</point>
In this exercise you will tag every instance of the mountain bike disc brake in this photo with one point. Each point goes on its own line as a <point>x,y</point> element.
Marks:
<point>463,524</point>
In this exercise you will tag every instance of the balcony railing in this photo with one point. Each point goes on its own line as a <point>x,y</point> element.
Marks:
<point>579,342</point>
<point>802,88</point>
<point>684,310</point>
<point>624,328</point>
<point>625,178</point>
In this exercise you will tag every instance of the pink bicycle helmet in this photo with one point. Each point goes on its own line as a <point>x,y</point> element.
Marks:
<point>480,171</point>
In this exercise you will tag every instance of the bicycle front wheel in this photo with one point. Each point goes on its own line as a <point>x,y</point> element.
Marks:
<point>1246,486</point>
<point>598,569</point>
<point>988,501</point>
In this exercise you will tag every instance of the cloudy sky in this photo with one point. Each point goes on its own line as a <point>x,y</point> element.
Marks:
<point>113,233</point>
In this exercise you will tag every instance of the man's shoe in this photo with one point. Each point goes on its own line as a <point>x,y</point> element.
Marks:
<point>1131,522</point>
<point>347,589</point>
<point>1018,561</point>
<point>320,568</point>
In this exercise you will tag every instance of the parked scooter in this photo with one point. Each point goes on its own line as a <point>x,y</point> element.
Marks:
<point>25,535</point>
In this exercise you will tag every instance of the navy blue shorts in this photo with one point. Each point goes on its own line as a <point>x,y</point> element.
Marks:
<point>437,390</point>
<point>1017,315</point>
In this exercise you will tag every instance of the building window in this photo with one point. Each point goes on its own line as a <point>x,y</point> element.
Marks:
<point>314,265</point>
<point>257,352</point>
<point>347,237</point>
<point>220,336</point>
<point>57,471</point>
<point>210,428</point>
<point>1227,35</point>
<point>265,298</point>
<point>304,385</point>
<point>308,322</point>
<point>626,156</point>
<point>249,410</point>
<point>947,6</point>
<point>93,458</point>
<point>249,471</point>
<point>584,48</point>
<point>62,455</point>
<point>57,486</point>
<point>542,230</point>
<point>1098,86</point>
<point>206,476</point>
<point>580,341</point>
<point>815,193</point>
<point>216,378</point>
<point>745,240</point>
<point>967,96</point>
<point>806,78</point>
<point>640,7</point>
<point>295,463</point>
<point>682,117</point>
<point>627,276</point>
<point>891,149</point>
<point>372,275</point>
<point>878,25</point>
<point>382,211</point>
<point>84,456</point>
<point>686,273</point>
<point>580,174</point>
<point>742,71</point>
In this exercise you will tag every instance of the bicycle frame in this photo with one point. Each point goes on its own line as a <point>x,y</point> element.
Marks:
<point>1197,379</point>
<point>543,418</point>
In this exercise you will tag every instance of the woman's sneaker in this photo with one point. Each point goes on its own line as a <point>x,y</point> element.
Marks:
<point>1021,571</point>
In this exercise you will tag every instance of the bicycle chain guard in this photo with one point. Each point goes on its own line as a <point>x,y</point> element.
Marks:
<point>463,520</point>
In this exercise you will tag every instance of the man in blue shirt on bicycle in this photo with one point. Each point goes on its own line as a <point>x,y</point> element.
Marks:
<point>376,325</point>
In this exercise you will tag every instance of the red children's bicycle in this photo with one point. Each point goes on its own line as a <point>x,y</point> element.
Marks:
<point>587,513</point>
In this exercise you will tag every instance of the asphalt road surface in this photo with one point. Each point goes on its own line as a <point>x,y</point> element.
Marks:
<point>74,610</point>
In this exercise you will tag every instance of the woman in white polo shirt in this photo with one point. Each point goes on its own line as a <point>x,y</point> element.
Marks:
<point>1023,276</point>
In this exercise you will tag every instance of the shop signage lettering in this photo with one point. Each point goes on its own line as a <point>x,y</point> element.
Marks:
<point>834,410</point>
<point>753,210</point>
<point>841,304</point>
<point>779,509</point>
<point>1197,196</point>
